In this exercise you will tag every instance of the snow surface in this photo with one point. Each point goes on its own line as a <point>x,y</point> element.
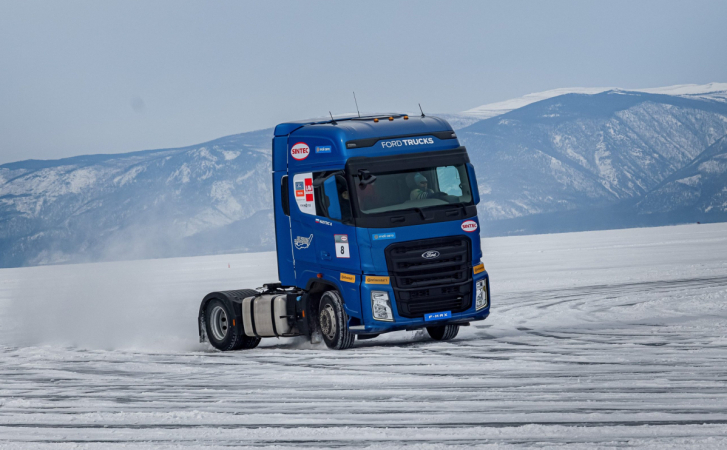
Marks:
<point>609,339</point>
<point>714,91</point>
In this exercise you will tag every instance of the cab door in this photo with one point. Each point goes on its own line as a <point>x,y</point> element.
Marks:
<point>336,249</point>
<point>302,225</point>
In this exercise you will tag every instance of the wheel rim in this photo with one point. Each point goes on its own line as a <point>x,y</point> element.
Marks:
<point>328,322</point>
<point>219,323</point>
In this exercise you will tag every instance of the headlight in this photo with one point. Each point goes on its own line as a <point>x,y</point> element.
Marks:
<point>481,295</point>
<point>381,306</point>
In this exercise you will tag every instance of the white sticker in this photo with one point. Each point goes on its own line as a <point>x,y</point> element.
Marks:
<point>300,151</point>
<point>469,226</point>
<point>303,191</point>
<point>303,242</point>
<point>342,246</point>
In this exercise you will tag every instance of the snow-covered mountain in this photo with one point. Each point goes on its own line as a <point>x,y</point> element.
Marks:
<point>138,205</point>
<point>601,159</point>
<point>579,152</point>
<point>698,189</point>
<point>710,91</point>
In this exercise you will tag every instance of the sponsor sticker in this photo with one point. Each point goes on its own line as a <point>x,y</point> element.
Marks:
<point>438,316</point>
<point>303,183</point>
<point>479,268</point>
<point>309,189</point>
<point>324,222</point>
<point>342,246</point>
<point>377,280</point>
<point>323,149</point>
<point>303,242</point>
<point>348,278</point>
<point>469,226</point>
<point>384,236</point>
<point>300,151</point>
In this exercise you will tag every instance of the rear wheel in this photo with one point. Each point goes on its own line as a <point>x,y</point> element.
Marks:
<point>224,331</point>
<point>333,322</point>
<point>443,333</point>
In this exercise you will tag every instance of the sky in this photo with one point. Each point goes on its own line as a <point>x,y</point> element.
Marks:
<point>87,77</point>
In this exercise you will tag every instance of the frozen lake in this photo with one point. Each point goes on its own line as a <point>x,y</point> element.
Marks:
<point>596,340</point>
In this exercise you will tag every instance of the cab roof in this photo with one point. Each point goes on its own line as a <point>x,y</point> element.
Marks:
<point>349,128</point>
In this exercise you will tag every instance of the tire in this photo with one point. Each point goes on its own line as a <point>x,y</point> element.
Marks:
<point>333,322</point>
<point>224,332</point>
<point>443,333</point>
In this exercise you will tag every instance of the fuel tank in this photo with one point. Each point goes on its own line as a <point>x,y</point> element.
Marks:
<point>266,316</point>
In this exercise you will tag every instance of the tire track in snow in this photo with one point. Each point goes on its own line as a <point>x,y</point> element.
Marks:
<point>633,364</point>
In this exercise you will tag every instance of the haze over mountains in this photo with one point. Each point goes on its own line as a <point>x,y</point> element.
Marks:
<point>559,160</point>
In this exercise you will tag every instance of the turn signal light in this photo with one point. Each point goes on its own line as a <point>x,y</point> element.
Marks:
<point>406,117</point>
<point>390,119</point>
<point>376,119</point>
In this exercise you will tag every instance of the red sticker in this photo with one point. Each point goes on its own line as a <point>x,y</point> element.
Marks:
<point>300,151</point>
<point>309,189</point>
<point>469,226</point>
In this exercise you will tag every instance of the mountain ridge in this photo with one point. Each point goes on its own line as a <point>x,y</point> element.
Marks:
<point>712,90</point>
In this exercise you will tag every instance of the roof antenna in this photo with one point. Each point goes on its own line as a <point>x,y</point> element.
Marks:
<point>420,109</point>
<point>333,121</point>
<point>354,99</point>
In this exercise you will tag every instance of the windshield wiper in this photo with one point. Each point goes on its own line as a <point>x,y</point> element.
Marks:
<point>461,205</point>
<point>419,210</point>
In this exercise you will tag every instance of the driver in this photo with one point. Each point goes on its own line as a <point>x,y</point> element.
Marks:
<point>422,191</point>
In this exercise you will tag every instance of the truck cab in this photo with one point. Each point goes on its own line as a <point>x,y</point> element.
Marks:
<point>376,230</point>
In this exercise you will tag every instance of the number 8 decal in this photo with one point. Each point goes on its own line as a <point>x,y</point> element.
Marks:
<point>342,250</point>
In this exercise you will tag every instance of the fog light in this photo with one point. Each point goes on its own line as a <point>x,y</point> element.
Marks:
<point>481,295</point>
<point>381,306</point>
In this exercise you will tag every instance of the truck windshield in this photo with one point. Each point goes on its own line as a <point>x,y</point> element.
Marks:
<point>421,188</point>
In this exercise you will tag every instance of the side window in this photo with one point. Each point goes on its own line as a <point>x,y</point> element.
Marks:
<point>449,181</point>
<point>331,200</point>
<point>332,197</point>
<point>284,195</point>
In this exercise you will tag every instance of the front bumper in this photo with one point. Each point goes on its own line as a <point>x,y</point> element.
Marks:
<point>372,326</point>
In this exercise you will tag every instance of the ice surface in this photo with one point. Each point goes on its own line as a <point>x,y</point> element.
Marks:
<point>610,339</point>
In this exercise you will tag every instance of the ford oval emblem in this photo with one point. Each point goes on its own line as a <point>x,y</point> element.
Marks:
<point>431,254</point>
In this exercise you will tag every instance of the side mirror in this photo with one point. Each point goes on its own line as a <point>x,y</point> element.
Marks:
<point>319,181</point>
<point>473,183</point>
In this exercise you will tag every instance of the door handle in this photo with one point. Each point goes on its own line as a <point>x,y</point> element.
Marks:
<point>326,256</point>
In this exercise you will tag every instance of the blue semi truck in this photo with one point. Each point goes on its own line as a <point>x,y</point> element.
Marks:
<point>376,231</point>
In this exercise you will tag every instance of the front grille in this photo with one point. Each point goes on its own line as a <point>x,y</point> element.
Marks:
<point>423,285</point>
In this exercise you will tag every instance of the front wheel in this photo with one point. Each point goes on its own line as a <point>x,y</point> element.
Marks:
<point>333,322</point>
<point>444,332</point>
<point>223,331</point>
